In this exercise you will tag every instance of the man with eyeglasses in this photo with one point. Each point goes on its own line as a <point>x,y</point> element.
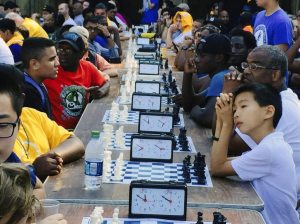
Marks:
<point>100,39</point>
<point>212,54</point>
<point>11,102</point>
<point>267,65</point>
<point>77,82</point>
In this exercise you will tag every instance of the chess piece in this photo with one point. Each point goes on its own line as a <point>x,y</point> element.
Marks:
<point>115,219</point>
<point>161,63</point>
<point>176,117</point>
<point>170,76</point>
<point>200,218</point>
<point>164,77</point>
<point>219,218</point>
<point>188,160</point>
<point>166,64</point>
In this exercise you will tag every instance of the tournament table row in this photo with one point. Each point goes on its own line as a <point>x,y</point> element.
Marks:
<point>69,185</point>
<point>75,212</point>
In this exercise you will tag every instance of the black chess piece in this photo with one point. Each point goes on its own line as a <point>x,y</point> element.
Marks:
<point>200,218</point>
<point>176,118</point>
<point>167,109</point>
<point>161,62</point>
<point>219,218</point>
<point>188,160</point>
<point>170,76</point>
<point>164,77</point>
<point>166,64</point>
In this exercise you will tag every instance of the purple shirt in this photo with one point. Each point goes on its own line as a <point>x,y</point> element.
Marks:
<point>274,29</point>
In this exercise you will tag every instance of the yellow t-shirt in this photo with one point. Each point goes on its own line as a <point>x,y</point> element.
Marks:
<point>35,30</point>
<point>37,135</point>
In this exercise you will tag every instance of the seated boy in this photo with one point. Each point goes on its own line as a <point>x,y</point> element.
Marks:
<point>11,102</point>
<point>256,110</point>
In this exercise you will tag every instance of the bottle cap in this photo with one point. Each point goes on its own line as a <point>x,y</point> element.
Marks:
<point>95,134</point>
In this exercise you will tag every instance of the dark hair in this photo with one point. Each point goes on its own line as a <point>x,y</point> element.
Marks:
<point>249,38</point>
<point>10,5</point>
<point>33,48</point>
<point>7,24</point>
<point>100,6</point>
<point>92,19</point>
<point>245,19</point>
<point>264,95</point>
<point>11,83</point>
<point>110,6</point>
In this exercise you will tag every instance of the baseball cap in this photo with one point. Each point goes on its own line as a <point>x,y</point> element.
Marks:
<point>82,32</point>
<point>215,44</point>
<point>48,8</point>
<point>74,40</point>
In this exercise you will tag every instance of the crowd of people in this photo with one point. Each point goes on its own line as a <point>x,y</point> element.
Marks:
<point>241,78</point>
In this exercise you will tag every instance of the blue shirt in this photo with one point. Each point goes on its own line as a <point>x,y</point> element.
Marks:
<point>274,29</point>
<point>216,84</point>
<point>151,15</point>
<point>13,158</point>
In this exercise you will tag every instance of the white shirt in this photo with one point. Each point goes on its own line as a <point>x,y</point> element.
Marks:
<point>69,21</point>
<point>271,169</point>
<point>289,125</point>
<point>180,38</point>
<point>6,56</point>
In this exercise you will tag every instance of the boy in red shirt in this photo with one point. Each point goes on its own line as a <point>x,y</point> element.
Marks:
<point>77,80</point>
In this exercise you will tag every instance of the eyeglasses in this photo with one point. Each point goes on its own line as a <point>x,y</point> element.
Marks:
<point>65,50</point>
<point>254,67</point>
<point>7,129</point>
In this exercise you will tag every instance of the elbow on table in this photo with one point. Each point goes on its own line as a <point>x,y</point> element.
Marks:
<point>216,171</point>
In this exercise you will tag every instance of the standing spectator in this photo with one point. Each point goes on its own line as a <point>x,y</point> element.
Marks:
<point>224,17</point>
<point>149,11</point>
<point>34,29</point>
<point>13,38</point>
<point>77,11</point>
<point>47,9</point>
<point>6,56</point>
<point>77,82</point>
<point>273,26</point>
<point>64,10</point>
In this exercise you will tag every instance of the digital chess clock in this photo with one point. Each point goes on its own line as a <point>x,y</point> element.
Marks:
<point>152,148</point>
<point>155,122</point>
<point>147,87</point>
<point>163,200</point>
<point>146,102</point>
<point>149,67</point>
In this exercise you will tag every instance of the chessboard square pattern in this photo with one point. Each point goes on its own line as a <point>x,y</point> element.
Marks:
<point>132,170</point>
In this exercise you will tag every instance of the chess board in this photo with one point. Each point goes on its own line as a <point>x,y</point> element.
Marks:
<point>164,101</point>
<point>133,118</point>
<point>87,220</point>
<point>127,140</point>
<point>153,171</point>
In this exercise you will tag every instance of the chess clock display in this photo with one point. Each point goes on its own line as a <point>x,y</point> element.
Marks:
<point>146,102</point>
<point>149,67</point>
<point>162,200</point>
<point>152,148</point>
<point>155,123</point>
<point>147,87</point>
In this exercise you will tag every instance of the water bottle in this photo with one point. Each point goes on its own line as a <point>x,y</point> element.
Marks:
<point>93,164</point>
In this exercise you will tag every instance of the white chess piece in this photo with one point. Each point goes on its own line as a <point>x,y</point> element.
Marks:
<point>115,219</point>
<point>94,219</point>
